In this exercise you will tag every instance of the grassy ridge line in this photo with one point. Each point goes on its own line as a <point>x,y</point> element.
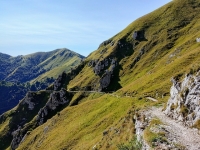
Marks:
<point>29,67</point>
<point>71,63</point>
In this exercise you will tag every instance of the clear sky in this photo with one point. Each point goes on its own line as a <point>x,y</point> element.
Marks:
<point>28,26</point>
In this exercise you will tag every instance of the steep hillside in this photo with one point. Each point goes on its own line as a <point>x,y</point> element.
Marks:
<point>98,104</point>
<point>164,45</point>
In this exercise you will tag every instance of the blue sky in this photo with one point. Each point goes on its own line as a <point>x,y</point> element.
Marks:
<point>28,26</point>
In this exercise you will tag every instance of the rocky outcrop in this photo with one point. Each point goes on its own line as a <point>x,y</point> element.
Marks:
<point>184,102</point>
<point>29,98</point>
<point>56,99</point>
<point>104,69</point>
<point>106,78</point>
<point>58,83</point>
<point>17,137</point>
<point>141,122</point>
<point>135,34</point>
<point>139,35</point>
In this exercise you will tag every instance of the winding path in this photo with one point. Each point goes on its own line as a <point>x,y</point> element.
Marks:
<point>188,137</point>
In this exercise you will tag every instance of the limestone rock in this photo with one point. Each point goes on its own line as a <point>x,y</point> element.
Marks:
<point>106,77</point>
<point>28,100</point>
<point>135,34</point>
<point>17,137</point>
<point>104,69</point>
<point>184,102</point>
<point>56,98</point>
<point>58,82</point>
<point>105,80</point>
<point>140,124</point>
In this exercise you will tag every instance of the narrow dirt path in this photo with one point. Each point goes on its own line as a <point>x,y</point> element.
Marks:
<point>188,137</point>
<point>152,99</point>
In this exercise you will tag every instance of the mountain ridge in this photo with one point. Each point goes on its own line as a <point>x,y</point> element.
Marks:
<point>35,63</point>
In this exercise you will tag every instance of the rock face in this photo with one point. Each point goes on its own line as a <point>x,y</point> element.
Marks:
<point>59,81</point>
<point>104,69</point>
<point>106,78</point>
<point>17,137</point>
<point>135,34</point>
<point>141,123</point>
<point>184,103</point>
<point>29,100</point>
<point>139,35</point>
<point>56,98</point>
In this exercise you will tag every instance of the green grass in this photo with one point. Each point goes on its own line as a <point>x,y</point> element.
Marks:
<point>161,61</point>
<point>132,145</point>
<point>197,124</point>
<point>58,67</point>
<point>29,67</point>
<point>152,137</point>
<point>81,126</point>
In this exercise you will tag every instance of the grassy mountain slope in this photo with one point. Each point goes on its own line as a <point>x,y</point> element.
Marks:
<point>166,47</point>
<point>169,48</point>
<point>29,67</point>
<point>82,126</point>
<point>67,66</point>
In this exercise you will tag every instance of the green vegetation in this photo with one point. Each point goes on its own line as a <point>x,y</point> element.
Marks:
<point>152,137</point>
<point>184,110</point>
<point>170,50</point>
<point>38,66</point>
<point>21,115</point>
<point>197,124</point>
<point>79,126</point>
<point>132,145</point>
<point>167,49</point>
<point>10,95</point>
<point>32,72</point>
